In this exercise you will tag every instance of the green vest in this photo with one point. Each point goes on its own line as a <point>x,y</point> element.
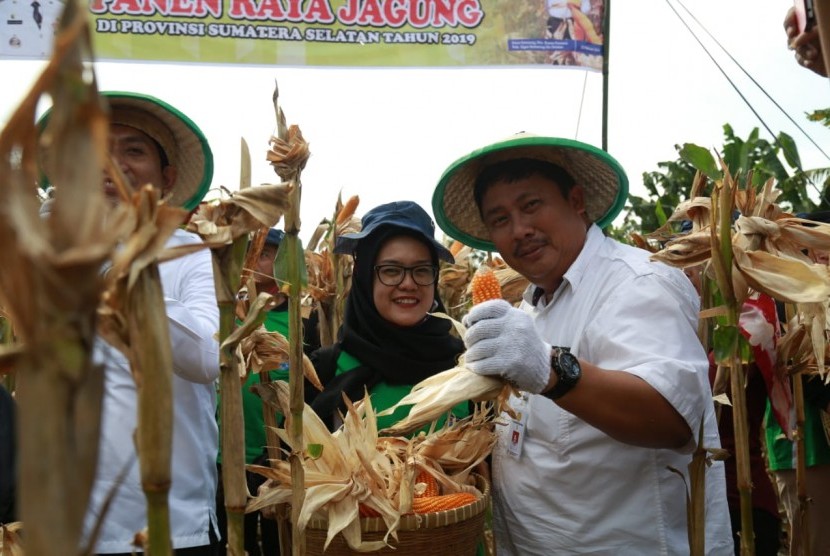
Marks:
<point>781,452</point>
<point>254,420</point>
<point>385,395</point>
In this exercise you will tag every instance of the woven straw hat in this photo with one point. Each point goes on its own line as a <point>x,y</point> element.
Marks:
<point>602,178</point>
<point>181,140</point>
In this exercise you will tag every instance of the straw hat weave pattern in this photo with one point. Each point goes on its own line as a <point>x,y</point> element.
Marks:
<point>182,141</point>
<point>601,177</point>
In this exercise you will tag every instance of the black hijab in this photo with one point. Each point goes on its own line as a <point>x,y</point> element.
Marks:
<point>387,353</point>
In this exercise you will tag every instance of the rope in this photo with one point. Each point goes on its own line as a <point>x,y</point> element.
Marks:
<point>751,78</point>
<point>581,103</point>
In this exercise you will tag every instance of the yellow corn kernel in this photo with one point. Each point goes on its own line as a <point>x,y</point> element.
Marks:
<point>430,484</point>
<point>429,504</point>
<point>484,285</point>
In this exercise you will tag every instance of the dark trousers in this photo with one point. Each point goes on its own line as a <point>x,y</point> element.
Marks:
<point>211,549</point>
<point>767,529</point>
<point>257,528</point>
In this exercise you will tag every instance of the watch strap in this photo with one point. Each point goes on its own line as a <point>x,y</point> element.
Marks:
<point>566,380</point>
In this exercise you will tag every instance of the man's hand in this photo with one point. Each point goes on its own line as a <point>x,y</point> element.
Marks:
<point>502,341</point>
<point>807,45</point>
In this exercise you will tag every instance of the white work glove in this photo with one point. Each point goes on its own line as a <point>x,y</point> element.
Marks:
<point>502,341</point>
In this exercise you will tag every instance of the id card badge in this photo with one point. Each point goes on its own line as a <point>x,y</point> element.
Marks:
<point>516,430</point>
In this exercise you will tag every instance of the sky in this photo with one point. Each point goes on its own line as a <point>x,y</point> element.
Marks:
<point>388,134</point>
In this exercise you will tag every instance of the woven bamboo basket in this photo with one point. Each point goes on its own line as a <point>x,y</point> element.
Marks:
<point>455,532</point>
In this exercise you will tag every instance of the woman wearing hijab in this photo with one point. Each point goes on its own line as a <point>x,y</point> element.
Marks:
<point>388,341</point>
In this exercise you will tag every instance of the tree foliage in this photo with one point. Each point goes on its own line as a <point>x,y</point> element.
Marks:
<point>753,159</point>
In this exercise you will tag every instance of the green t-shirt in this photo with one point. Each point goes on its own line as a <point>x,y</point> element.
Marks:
<point>254,420</point>
<point>385,395</point>
<point>781,452</point>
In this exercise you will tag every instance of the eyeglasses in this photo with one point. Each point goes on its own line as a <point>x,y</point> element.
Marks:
<point>394,274</point>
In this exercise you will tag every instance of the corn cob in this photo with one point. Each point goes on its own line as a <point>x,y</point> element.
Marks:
<point>430,485</point>
<point>484,286</point>
<point>456,247</point>
<point>366,511</point>
<point>430,490</point>
<point>348,209</point>
<point>585,23</point>
<point>429,504</point>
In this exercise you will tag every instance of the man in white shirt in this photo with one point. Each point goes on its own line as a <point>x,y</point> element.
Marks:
<point>604,348</point>
<point>152,142</point>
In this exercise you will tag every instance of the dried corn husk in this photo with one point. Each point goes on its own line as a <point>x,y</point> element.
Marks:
<point>435,396</point>
<point>759,251</point>
<point>354,470</point>
<point>342,477</point>
<point>244,212</point>
<point>454,279</point>
<point>10,544</point>
<point>262,351</point>
<point>457,448</point>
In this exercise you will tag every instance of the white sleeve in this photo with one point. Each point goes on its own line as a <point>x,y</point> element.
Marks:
<point>193,316</point>
<point>651,331</point>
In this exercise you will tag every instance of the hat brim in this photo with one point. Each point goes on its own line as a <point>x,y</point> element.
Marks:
<point>598,173</point>
<point>193,159</point>
<point>347,243</point>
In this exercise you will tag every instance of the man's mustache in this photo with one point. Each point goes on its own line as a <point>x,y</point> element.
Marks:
<point>528,245</point>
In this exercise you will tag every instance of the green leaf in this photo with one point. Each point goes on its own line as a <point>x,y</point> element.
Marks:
<point>283,260</point>
<point>314,451</point>
<point>701,159</point>
<point>745,349</point>
<point>661,214</point>
<point>725,342</point>
<point>790,150</point>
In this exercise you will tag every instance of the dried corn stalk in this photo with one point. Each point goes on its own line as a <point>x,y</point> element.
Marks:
<point>760,252</point>
<point>288,155</point>
<point>225,227</point>
<point>50,285</point>
<point>329,273</point>
<point>134,319</point>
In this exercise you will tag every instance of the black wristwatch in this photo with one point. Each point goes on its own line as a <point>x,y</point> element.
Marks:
<point>567,369</point>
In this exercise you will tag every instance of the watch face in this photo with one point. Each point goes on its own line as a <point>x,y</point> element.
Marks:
<point>568,372</point>
<point>570,367</point>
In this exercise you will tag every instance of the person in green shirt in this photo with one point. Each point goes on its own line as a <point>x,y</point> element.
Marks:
<point>258,528</point>
<point>389,341</point>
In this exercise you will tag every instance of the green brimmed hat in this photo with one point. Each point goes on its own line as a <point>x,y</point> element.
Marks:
<point>184,144</point>
<point>601,177</point>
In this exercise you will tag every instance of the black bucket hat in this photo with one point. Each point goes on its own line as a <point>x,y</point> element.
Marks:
<point>274,237</point>
<point>401,214</point>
